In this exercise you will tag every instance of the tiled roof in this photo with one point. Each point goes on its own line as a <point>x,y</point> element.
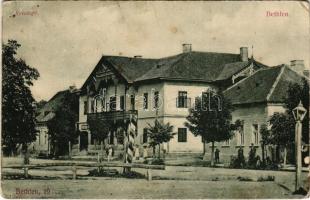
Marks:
<point>265,85</point>
<point>231,68</point>
<point>131,68</point>
<point>204,66</point>
<point>47,111</point>
<point>191,66</point>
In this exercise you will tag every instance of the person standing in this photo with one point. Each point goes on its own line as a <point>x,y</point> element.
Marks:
<point>217,155</point>
<point>110,153</point>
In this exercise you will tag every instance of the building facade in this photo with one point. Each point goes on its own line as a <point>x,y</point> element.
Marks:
<point>152,89</point>
<point>122,88</point>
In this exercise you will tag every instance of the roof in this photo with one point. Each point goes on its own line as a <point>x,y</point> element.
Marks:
<point>196,66</point>
<point>205,66</point>
<point>232,68</point>
<point>47,112</point>
<point>131,68</point>
<point>265,85</point>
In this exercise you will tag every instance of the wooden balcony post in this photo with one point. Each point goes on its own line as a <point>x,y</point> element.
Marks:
<point>74,170</point>
<point>26,172</point>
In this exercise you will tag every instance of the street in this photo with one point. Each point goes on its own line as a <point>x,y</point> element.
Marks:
<point>173,182</point>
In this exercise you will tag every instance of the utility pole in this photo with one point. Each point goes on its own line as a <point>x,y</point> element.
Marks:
<point>299,113</point>
<point>298,128</point>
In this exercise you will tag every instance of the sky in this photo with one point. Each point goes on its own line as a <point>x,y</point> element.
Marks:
<point>65,40</point>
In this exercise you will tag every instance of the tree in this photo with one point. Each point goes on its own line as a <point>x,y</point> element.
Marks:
<point>62,127</point>
<point>282,131</point>
<point>211,119</point>
<point>296,93</point>
<point>265,135</point>
<point>283,125</point>
<point>100,130</point>
<point>159,133</point>
<point>18,113</point>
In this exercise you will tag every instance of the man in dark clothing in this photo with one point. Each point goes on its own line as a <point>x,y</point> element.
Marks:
<point>217,155</point>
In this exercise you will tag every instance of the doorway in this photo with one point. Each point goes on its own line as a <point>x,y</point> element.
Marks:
<point>83,141</point>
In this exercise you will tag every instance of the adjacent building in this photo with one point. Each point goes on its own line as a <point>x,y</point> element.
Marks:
<point>42,143</point>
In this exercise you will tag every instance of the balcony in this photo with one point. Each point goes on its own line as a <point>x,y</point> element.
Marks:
<point>112,115</point>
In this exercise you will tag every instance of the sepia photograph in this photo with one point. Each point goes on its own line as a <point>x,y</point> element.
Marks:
<point>155,100</point>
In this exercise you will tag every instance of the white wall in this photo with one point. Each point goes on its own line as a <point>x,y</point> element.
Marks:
<point>41,143</point>
<point>193,143</point>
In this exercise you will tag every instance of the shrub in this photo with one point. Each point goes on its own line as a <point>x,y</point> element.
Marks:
<point>268,178</point>
<point>157,161</point>
<point>240,178</point>
<point>237,162</point>
<point>114,173</point>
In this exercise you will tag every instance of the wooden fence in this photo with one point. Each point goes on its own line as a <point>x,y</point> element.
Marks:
<point>75,166</point>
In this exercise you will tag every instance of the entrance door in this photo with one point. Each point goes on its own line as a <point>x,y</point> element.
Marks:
<point>83,141</point>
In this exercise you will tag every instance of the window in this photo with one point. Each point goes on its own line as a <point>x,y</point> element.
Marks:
<point>132,102</point>
<point>111,139</point>
<point>122,103</point>
<point>255,134</point>
<point>227,142</point>
<point>156,99</point>
<point>112,103</point>
<point>92,106</point>
<point>182,135</point>
<point>145,100</point>
<point>182,99</point>
<point>144,138</point>
<point>241,135</point>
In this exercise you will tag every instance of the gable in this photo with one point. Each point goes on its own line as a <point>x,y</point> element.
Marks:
<point>253,89</point>
<point>265,85</point>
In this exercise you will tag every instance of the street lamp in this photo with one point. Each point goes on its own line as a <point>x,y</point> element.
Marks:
<point>299,113</point>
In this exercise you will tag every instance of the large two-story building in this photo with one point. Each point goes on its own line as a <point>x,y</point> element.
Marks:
<point>120,88</point>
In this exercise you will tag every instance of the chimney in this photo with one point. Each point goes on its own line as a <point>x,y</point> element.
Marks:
<point>244,54</point>
<point>298,66</point>
<point>187,48</point>
<point>137,56</point>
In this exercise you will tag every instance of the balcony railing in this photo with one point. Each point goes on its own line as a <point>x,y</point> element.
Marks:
<point>112,115</point>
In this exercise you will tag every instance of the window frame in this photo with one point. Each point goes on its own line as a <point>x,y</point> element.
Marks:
<point>122,102</point>
<point>255,134</point>
<point>85,107</point>
<point>112,103</point>
<point>182,135</point>
<point>144,136</point>
<point>182,99</point>
<point>145,101</point>
<point>156,100</point>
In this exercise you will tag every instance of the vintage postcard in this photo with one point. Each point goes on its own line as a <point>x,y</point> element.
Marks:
<point>155,99</point>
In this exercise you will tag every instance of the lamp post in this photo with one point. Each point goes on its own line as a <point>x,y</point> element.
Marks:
<point>299,113</point>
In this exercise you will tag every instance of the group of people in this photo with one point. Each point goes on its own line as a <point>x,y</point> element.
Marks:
<point>254,160</point>
<point>136,153</point>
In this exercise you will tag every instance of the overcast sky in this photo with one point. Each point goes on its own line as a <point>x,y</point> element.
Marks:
<point>65,40</point>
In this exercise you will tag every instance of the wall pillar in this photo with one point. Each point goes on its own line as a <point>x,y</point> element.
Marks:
<point>79,142</point>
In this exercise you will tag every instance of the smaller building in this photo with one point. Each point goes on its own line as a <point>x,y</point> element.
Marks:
<point>255,99</point>
<point>47,112</point>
